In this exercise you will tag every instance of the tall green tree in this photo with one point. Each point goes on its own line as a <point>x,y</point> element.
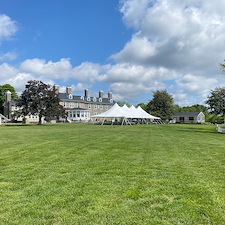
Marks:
<point>123,103</point>
<point>3,89</point>
<point>39,99</point>
<point>216,101</point>
<point>142,105</point>
<point>161,105</point>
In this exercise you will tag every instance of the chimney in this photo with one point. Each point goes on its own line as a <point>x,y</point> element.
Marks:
<point>86,92</point>
<point>68,90</point>
<point>101,94</point>
<point>56,89</point>
<point>8,96</point>
<point>110,95</point>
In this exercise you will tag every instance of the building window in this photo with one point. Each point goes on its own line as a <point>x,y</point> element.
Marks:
<point>64,104</point>
<point>111,101</point>
<point>95,106</point>
<point>82,97</point>
<point>101,106</point>
<point>71,104</point>
<point>74,114</point>
<point>70,96</point>
<point>94,99</point>
<point>191,118</point>
<point>89,106</point>
<point>88,99</point>
<point>106,107</point>
<point>100,100</point>
<point>78,104</point>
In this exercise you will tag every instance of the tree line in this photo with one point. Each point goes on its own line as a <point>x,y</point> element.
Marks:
<point>40,99</point>
<point>37,99</point>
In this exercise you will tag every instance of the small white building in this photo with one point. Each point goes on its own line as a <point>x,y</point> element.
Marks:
<point>189,117</point>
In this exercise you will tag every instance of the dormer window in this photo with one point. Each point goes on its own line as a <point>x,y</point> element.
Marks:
<point>88,99</point>
<point>111,101</point>
<point>100,99</point>
<point>94,99</point>
<point>70,96</point>
<point>82,97</point>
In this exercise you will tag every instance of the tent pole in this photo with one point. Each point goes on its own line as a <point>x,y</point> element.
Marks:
<point>112,121</point>
<point>103,121</point>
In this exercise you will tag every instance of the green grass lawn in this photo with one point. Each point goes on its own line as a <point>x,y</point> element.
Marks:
<point>90,174</point>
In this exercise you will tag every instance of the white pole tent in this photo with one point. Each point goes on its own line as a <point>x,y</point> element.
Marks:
<point>128,115</point>
<point>146,115</point>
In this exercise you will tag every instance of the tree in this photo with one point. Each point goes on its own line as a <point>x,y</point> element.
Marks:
<point>142,105</point>
<point>123,103</point>
<point>176,108</point>
<point>3,89</point>
<point>194,108</point>
<point>222,66</point>
<point>216,101</point>
<point>39,99</point>
<point>161,105</point>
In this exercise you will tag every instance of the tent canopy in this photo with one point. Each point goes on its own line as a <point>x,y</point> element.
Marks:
<point>124,112</point>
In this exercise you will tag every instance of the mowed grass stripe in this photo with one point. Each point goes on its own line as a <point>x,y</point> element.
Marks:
<point>88,174</point>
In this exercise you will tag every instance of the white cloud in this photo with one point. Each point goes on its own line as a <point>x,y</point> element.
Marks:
<point>53,70</point>
<point>137,50</point>
<point>178,42</point>
<point>8,27</point>
<point>88,71</point>
<point>132,73</point>
<point>7,71</point>
<point>185,37</point>
<point>8,56</point>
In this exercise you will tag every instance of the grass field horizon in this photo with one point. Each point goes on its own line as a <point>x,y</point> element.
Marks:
<point>125,175</point>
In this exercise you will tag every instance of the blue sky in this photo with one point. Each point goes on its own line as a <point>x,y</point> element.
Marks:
<point>129,47</point>
<point>87,30</point>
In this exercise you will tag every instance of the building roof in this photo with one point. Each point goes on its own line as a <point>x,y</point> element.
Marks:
<point>77,98</point>
<point>183,114</point>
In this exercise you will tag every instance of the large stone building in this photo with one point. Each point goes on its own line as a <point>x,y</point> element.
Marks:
<point>78,107</point>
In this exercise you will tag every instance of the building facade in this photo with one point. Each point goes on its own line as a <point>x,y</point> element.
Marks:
<point>82,107</point>
<point>78,107</point>
<point>189,117</point>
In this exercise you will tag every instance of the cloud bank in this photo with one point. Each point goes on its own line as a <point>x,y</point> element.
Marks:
<point>175,45</point>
